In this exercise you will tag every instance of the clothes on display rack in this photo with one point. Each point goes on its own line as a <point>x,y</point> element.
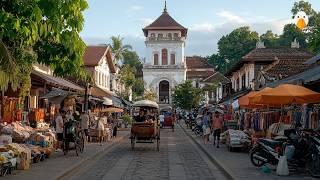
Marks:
<point>260,120</point>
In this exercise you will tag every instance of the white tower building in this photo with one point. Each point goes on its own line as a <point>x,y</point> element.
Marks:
<point>165,64</point>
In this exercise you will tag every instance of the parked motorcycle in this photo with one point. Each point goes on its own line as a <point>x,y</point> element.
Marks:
<point>302,148</point>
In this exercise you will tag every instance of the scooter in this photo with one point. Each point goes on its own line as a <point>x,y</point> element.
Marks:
<point>304,154</point>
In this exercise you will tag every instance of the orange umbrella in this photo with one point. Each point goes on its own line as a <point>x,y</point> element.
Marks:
<point>287,94</point>
<point>244,100</point>
<point>252,98</point>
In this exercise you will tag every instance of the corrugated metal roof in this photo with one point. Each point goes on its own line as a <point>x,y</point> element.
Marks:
<point>313,60</point>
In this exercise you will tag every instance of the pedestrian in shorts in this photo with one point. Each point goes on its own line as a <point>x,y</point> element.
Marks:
<point>217,126</point>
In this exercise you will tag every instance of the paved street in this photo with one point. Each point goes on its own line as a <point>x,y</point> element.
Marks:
<point>238,163</point>
<point>58,164</point>
<point>178,158</point>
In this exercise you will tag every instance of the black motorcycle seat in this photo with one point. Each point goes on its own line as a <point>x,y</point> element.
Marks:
<point>271,143</point>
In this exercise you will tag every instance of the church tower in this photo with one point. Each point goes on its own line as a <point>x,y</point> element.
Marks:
<point>165,64</point>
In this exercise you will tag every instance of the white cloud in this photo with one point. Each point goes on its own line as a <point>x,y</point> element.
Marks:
<point>230,16</point>
<point>207,27</point>
<point>145,21</point>
<point>135,8</point>
<point>203,37</point>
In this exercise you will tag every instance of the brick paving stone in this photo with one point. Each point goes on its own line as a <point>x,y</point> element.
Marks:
<point>178,159</point>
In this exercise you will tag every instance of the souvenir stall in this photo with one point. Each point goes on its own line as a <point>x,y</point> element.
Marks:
<point>283,107</point>
<point>11,109</point>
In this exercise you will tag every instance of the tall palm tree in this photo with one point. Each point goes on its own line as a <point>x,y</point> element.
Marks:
<point>118,48</point>
<point>8,68</point>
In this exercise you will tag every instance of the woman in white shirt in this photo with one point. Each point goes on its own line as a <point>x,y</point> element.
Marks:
<point>100,129</point>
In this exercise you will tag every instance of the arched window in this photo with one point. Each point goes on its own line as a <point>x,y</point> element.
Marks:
<point>164,57</point>
<point>153,35</point>
<point>172,59</point>
<point>155,59</point>
<point>169,35</point>
<point>160,35</point>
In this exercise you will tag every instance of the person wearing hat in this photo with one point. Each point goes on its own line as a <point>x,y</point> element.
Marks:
<point>217,125</point>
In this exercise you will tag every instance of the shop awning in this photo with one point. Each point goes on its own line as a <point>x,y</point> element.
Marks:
<point>56,81</point>
<point>98,92</point>
<point>55,92</point>
<point>117,101</point>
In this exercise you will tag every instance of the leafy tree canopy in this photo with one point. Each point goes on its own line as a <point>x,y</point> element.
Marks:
<point>41,31</point>
<point>186,96</point>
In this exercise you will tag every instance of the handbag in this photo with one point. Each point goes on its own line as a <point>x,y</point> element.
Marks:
<point>282,168</point>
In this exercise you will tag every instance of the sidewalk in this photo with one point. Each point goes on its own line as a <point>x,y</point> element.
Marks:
<point>237,164</point>
<point>58,164</point>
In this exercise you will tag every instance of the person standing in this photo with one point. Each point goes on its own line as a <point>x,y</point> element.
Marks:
<point>59,128</point>
<point>100,129</point>
<point>217,127</point>
<point>85,124</point>
<point>206,127</point>
<point>161,118</point>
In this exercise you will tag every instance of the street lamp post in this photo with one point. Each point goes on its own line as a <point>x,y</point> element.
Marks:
<point>86,98</point>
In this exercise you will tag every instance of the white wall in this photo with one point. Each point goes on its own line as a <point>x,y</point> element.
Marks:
<point>245,69</point>
<point>102,74</point>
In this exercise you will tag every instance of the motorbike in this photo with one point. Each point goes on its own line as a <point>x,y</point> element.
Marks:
<point>302,148</point>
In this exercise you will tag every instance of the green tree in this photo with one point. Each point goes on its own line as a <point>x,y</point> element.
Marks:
<point>137,89</point>
<point>237,44</point>
<point>312,32</point>
<point>127,76</point>
<point>290,33</point>
<point>186,96</point>
<point>43,31</point>
<point>218,62</point>
<point>118,48</point>
<point>270,39</point>
<point>132,59</point>
<point>150,95</point>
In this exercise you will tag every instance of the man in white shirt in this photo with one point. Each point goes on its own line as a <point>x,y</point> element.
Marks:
<point>59,128</point>
<point>161,118</point>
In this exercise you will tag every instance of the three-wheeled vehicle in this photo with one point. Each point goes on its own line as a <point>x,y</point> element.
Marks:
<point>147,130</point>
<point>73,137</point>
<point>168,119</point>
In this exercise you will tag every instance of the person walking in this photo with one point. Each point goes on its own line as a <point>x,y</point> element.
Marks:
<point>85,124</point>
<point>217,127</point>
<point>206,127</point>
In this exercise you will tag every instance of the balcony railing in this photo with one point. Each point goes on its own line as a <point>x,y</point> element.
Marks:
<point>151,66</point>
<point>165,39</point>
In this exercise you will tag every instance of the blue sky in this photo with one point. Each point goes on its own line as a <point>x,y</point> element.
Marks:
<point>207,20</point>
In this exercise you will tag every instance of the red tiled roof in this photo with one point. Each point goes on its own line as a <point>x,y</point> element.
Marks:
<point>199,74</point>
<point>165,22</point>
<point>93,54</point>
<point>196,62</point>
<point>268,54</point>
<point>217,77</point>
<point>283,68</point>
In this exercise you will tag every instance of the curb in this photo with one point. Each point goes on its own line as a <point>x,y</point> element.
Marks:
<point>226,171</point>
<point>78,165</point>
